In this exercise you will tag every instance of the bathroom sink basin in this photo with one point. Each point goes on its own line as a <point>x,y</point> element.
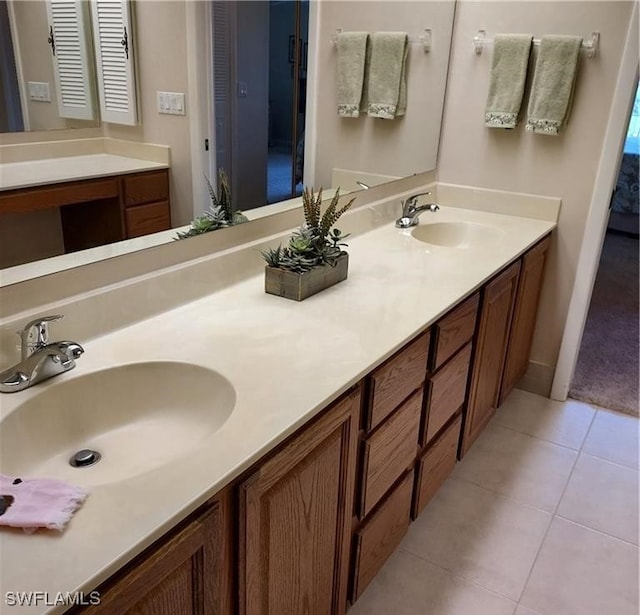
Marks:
<point>138,417</point>
<point>456,234</point>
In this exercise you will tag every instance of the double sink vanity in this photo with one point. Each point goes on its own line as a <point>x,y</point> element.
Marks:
<point>265,457</point>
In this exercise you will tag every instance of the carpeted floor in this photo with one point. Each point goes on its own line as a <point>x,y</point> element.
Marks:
<point>607,370</point>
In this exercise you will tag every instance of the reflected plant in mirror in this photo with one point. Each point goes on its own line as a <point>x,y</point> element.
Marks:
<point>219,215</point>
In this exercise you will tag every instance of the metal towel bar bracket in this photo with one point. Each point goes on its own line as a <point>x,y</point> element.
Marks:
<point>591,45</point>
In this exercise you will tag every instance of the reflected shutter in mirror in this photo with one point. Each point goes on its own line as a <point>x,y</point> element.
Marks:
<point>69,31</point>
<point>113,42</point>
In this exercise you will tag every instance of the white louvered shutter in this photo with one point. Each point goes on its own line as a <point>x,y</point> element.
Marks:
<point>69,39</point>
<point>113,43</point>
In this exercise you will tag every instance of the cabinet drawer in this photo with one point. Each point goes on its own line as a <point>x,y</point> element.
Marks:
<point>378,538</point>
<point>146,219</point>
<point>453,331</point>
<point>389,452</point>
<point>435,465</point>
<point>393,381</point>
<point>447,391</point>
<point>145,188</point>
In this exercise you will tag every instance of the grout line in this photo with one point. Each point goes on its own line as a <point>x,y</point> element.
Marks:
<point>614,463</point>
<point>509,498</point>
<point>524,433</point>
<point>597,531</point>
<point>554,514</point>
<point>458,576</point>
<point>617,463</point>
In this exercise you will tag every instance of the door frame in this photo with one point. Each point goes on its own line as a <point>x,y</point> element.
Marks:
<point>598,215</point>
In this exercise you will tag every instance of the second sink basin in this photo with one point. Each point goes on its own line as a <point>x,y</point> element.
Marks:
<point>138,417</point>
<point>456,234</point>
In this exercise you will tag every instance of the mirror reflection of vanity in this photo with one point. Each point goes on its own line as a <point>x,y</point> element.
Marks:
<point>338,151</point>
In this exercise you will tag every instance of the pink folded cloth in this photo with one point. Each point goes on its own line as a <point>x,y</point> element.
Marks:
<point>38,502</point>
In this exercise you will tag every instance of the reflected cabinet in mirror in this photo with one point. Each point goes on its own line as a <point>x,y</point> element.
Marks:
<point>248,87</point>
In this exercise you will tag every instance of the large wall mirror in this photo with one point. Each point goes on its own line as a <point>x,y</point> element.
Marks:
<point>278,115</point>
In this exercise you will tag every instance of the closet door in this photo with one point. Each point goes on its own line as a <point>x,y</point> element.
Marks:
<point>114,48</point>
<point>70,41</point>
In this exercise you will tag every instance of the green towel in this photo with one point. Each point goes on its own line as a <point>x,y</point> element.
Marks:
<point>386,87</point>
<point>508,76</point>
<point>553,84</point>
<point>352,54</point>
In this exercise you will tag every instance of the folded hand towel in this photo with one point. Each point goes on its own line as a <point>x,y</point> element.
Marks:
<point>38,502</point>
<point>387,83</point>
<point>508,76</point>
<point>352,54</point>
<point>553,84</point>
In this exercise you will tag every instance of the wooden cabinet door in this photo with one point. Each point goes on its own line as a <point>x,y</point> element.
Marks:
<point>188,573</point>
<point>295,520</point>
<point>493,333</point>
<point>524,316</point>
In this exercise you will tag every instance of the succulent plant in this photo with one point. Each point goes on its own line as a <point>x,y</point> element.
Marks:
<point>220,213</point>
<point>315,243</point>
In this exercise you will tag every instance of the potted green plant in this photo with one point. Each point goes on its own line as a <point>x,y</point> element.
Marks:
<point>220,213</point>
<point>313,259</point>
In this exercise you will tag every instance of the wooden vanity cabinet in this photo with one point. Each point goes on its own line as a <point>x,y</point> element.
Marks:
<point>524,316</point>
<point>446,395</point>
<point>496,309</point>
<point>95,212</point>
<point>295,519</point>
<point>392,415</point>
<point>187,572</point>
<point>508,313</point>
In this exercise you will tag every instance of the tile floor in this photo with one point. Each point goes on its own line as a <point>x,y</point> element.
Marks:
<point>541,518</point>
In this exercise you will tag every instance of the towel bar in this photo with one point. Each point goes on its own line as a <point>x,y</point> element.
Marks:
<point>591,45</point>
<point>424,39</point>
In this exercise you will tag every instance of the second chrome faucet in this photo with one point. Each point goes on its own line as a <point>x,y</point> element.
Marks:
<point>411,212</point>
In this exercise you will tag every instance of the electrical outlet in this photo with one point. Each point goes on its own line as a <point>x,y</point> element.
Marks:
<point>171,103</point>
<point>39,91</point>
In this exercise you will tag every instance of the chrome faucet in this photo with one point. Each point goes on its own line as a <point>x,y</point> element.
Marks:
<point>40,358</point>
<point>411,212</point>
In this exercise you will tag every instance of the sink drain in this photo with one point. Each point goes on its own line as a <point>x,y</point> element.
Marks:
<point>85,457</point>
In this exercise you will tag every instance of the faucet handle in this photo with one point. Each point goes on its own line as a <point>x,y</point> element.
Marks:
<point>41,326</point>
<point>410,201</point>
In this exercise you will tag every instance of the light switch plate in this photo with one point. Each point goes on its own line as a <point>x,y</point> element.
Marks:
<point>39,91</point>
<point>171,103</point>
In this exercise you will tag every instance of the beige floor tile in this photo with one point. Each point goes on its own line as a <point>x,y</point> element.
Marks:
<point>614,436</point>
<point>408,585</point>
<point>565,423</point>
<point>529,470</point>
<point>604,496</point>
<point>583,572</point>
<point>523,610</point>
<point>479,535</point>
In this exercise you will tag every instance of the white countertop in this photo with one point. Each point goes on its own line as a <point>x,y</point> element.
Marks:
<point>286,360</point>
<point>69,168</point>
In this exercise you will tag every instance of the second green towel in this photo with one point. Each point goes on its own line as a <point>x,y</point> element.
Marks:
<point>553,84</point>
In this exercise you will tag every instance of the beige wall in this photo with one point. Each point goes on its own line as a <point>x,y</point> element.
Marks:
<point>32,28</point>
<point>398,147</point>
<point>517,160</point>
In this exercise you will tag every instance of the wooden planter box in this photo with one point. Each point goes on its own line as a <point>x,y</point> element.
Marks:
<point>299,286</point>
